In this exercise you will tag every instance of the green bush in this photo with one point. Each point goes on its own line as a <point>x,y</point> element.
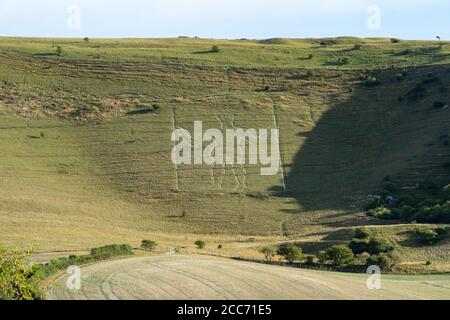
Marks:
<point>359,246</point>
<point>110,251</point>
<point>395,40</point>
<point>215,49</point>
<point>340,255</point>
<point>362,233</point>
<point>379,245</point>
<point>148,245</point>
<point>434,214</point>
<point>386,261</point>
<point>430,236</point>
<point>310,260</point>
<point>200,244</point>
<point>380,213</point>
<point>291,253</point>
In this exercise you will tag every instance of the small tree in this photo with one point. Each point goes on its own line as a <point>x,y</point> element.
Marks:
<point>268,253</point>
<point>200,244</point>
<point>86,39</point>
<point>215,49</point>
<point>148,245</point>
<point>291,253</point>
<point>340,255</point>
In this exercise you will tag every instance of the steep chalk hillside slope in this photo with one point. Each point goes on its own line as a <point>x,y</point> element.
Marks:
<point>85,137</point>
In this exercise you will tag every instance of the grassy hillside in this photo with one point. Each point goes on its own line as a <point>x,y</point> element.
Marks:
<point>85,135</point>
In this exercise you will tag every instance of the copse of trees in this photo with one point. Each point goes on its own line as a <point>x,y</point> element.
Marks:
<point>430,236</point>
<point>429,204</point>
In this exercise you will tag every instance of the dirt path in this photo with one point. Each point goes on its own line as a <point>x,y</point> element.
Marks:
<point>194,277</point>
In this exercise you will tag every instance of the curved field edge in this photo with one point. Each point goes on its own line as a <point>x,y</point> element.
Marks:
<point>193,277</point>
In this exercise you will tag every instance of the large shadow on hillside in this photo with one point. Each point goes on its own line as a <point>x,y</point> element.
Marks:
<point>352,148</point>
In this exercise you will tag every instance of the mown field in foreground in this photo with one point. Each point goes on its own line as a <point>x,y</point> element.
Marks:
<point>182,277</point>
<point>85,136</point>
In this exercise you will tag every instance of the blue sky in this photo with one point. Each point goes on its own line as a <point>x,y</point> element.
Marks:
<point>408,19</point>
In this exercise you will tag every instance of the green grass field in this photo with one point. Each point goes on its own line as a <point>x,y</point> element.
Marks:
<point>82,165</point>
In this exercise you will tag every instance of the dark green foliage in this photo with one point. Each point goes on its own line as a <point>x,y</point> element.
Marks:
<point>395,40</point>
<point>362,233</point>
<point>310,260</point>
<point>385,261</point>
<point>215,49</point>
<point>200,244</point>
<point>111,251</point>
<point>372,246</point>
<point>96,254</point>
<point>425,204</point>
<point>358,246</point>
<point>35,273</point>
<point>340,255</point>
<point>148,245</point>
<point>431,236</point>
<point>379,245</point>
<point>380,213</point>
<point>291,253</point>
